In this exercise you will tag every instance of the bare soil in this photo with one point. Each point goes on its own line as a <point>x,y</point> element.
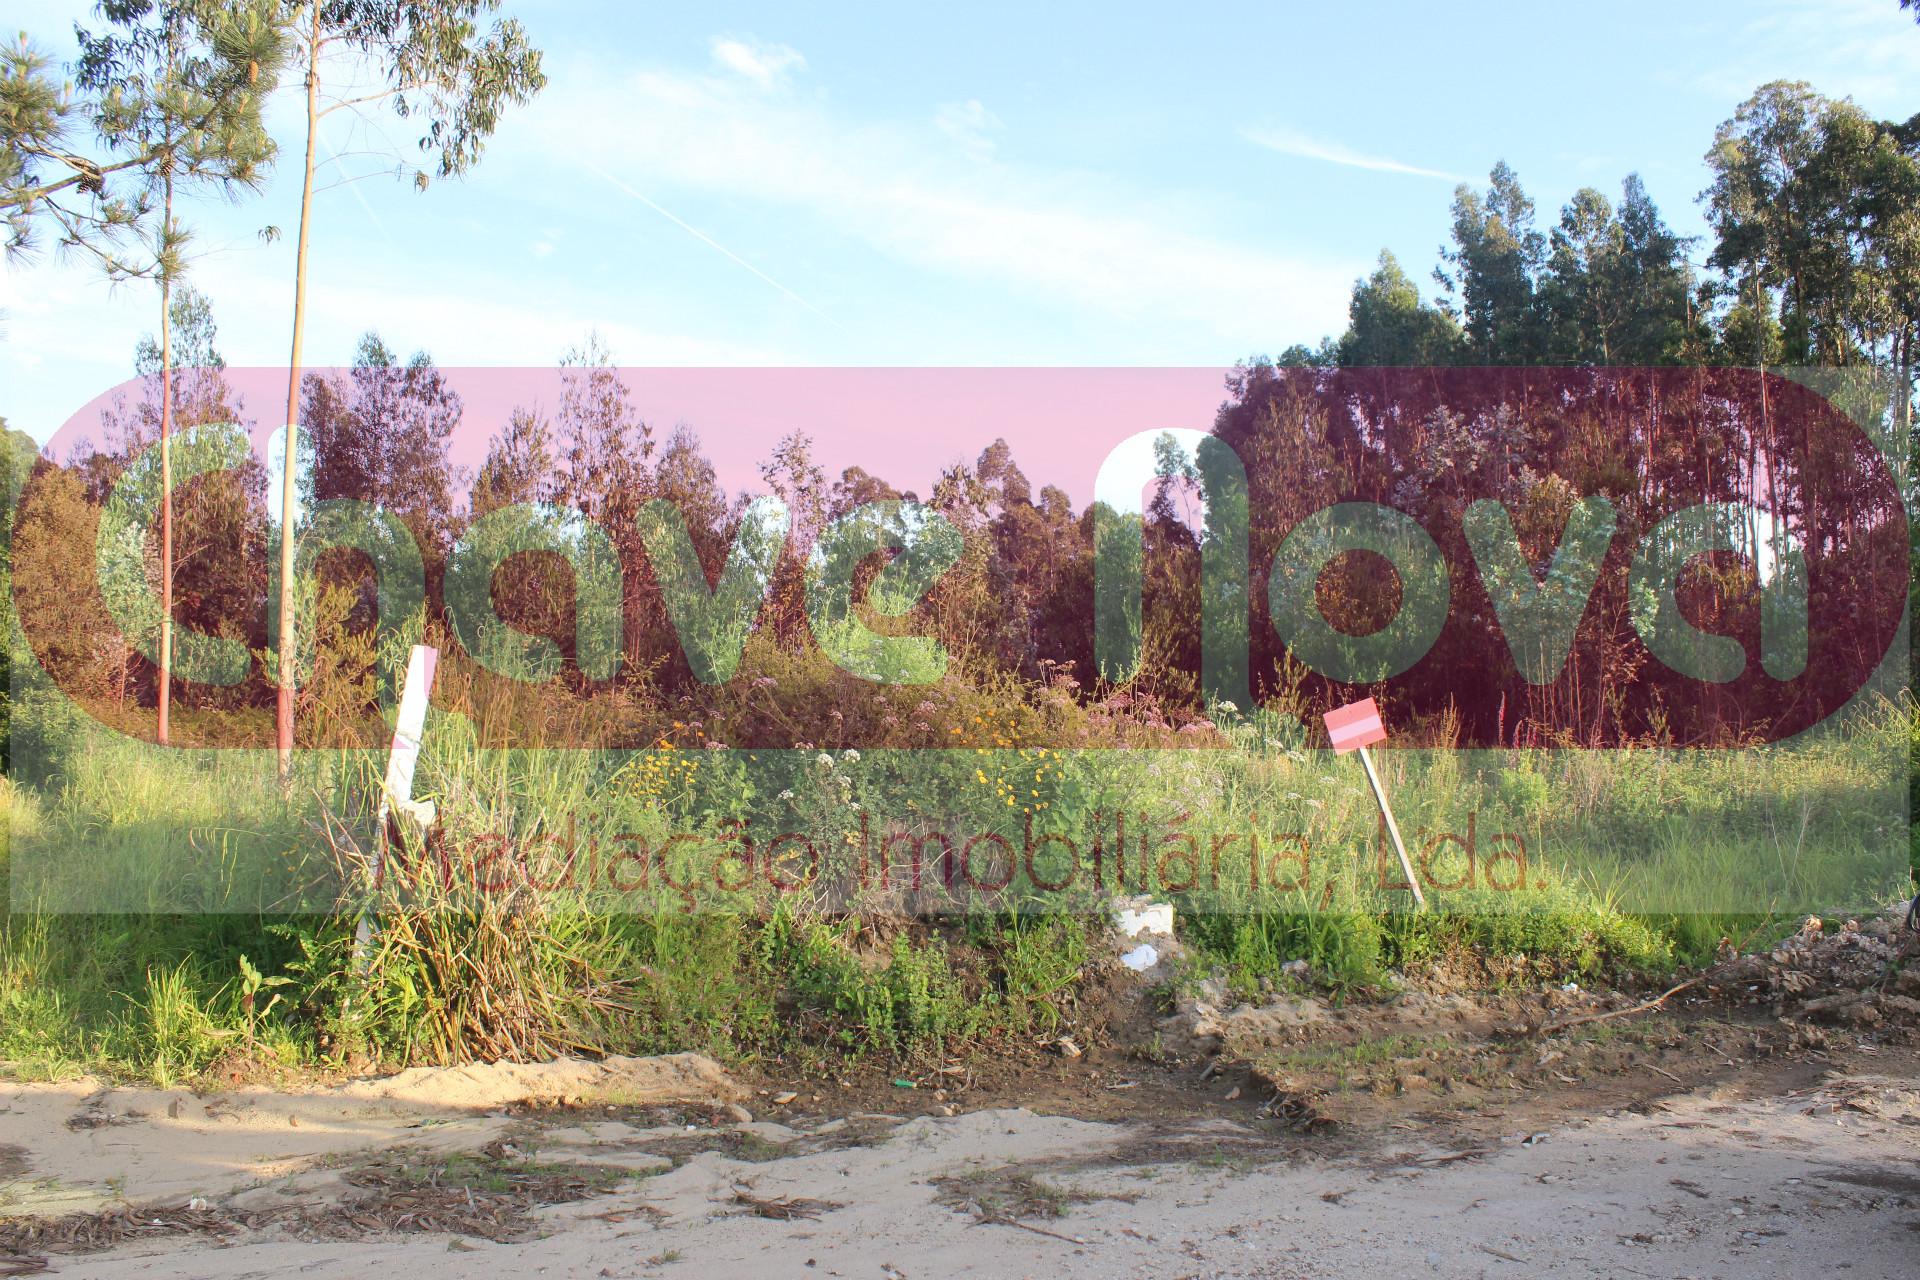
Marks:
<point>1762,1120</point>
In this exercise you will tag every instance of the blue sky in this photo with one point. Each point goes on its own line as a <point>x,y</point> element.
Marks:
<point>1092,184</point>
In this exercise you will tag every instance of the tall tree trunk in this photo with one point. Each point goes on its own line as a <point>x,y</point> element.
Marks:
<point>1772,448</point>
<point>283,703</point>
<point>166,477</point>
<point>1904,386</point>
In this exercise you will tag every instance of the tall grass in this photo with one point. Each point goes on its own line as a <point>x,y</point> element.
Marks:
<point>146,885</point>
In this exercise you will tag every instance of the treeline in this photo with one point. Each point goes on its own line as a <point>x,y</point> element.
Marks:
<point>1540,351</point>
<point>1815,213</point>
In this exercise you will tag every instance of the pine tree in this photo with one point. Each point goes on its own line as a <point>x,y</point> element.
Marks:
<point>181,82</point>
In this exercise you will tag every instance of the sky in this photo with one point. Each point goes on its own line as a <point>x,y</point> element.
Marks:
<point>856,185</point>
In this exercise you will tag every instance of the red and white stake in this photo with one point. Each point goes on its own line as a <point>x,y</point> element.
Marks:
<point>1351,728</point>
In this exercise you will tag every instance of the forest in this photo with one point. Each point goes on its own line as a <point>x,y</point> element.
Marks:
<point>1592,360</point>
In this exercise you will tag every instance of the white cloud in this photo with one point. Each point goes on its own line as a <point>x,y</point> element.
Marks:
<point>1062,238</point>
<point>1868,50</point>
<point>764,64</point>
<point>968,124</point>
<point>1290,143</point>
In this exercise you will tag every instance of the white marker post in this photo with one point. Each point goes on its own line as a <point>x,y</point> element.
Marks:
<point>396,792</point>
<point>1351,728</point>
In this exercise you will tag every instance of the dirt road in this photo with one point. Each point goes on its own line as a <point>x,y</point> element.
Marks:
<point>1805,1168</point>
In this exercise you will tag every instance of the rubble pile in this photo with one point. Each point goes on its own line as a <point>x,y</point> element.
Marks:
<point>1854,974</point>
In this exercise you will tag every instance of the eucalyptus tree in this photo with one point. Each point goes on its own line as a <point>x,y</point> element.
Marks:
<point>1494,267</point>
<point>183,83</point>
<point>431,62</point>
<point>1814,209</point>
<point>1616,289</point>
<point>1766,215</point>
<point>1388,324</point>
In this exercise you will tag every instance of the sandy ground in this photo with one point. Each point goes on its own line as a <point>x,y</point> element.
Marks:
<point>79,1145</point>
<point>1755,1175</point>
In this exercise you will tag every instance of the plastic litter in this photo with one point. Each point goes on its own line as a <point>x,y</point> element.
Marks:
<point>1151,917</point>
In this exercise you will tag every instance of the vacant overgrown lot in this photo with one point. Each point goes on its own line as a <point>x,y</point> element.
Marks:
<point>171,909</point>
